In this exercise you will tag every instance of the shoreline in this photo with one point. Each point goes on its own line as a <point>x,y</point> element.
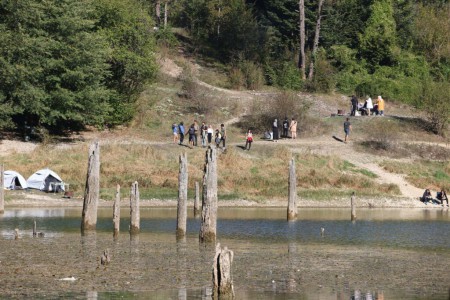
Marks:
<point>32,200</point>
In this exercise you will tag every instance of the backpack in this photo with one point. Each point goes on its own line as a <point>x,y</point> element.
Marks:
<point>191,130</point>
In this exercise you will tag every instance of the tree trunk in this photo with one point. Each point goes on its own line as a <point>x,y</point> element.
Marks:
<point>316,40</point>
<point>166,11</point>
<point>116,212</point>
<point>182,196</point>
<point>302,57</point>
<point>222,277</point>
<point>353,204</point>
<point>2,189</point>
<point>135,217</point>
<point>197,210</point>
<point>158,13</point>
<point>92,189</point>
<point>209,203</point>
<point>292,204</point>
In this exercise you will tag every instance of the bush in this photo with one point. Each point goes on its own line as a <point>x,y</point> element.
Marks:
<point>236,78</point>
<point>323,80</point>
<point>437,104</point>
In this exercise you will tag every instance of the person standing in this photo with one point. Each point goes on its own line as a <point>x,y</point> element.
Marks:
<point>285,127</point>
<point>204,133</point>
<point>275,130</point>
<point>354,102</point>
<point>196,130</point>
<point>293,128</point>
<point>175,132</point>
<point>181,132</point>
<point>380,102</point>
<point>223,133</point>
<point>210,134</point>
<point>248,140</point>
<point>369,105</point>
<point>191,132</point>
<point>347,129</point>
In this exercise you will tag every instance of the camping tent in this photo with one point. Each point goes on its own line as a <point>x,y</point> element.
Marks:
<point>14,180</point>
<point>45,180</point>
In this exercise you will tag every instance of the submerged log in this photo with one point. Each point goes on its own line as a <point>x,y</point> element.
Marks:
<point>116,212</point>
<point>182,196</point>
<point>92,189</point>
<point>292,204</point>
<point>2,191</point>
<point>209,202</point>
<point>135,217</point>
<point>222,277</point>
<point>197,210</point>
<point>353,204</point>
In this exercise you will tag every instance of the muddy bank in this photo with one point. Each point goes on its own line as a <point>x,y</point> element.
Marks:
<point>37,199</point>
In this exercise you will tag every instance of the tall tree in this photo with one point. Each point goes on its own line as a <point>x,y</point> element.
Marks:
<point>316,40</point>
<point>302,56</point>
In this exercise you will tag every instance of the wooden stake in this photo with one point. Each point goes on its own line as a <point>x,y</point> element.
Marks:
<point>292,204</point>
<point>209,202</point>
<point>2,189</point>
<point>135,217</point>
<point>116,212</point>
<point>222,277</point>
<point>197,210</point>
<point>92,189</point>
<point>182,196</point>
<point>34,229</point>
<point>353,204</point>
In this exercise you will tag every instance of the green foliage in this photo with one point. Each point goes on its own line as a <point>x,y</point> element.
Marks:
<point>378,40</point>
<point>436,99</point>
<point>286,75</point>
<point>324,78</point>
<point>53,64</point>
<point>166,38</point>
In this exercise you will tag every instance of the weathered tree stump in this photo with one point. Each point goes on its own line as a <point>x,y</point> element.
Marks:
<point>209,202</point>
<point>16,233</point>
<point>197,210</point>
<point>182,196</point>
<point>105,258</point>
<point>353,204</point>
<point>292,204</point>
<point>92,189</point>
<point>222,277</point>
<point>2,191</point>
<point>116,212</point>
<point>135,217</point>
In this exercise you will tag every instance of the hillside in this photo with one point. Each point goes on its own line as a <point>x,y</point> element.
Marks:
<point>388,162</point>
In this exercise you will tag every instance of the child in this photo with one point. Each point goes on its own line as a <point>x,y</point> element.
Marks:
<point>218,138</point>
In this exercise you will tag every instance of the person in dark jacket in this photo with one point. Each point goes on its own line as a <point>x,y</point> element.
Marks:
<point>275,130</point>
<point>354,105</point>
<point>285,127</point>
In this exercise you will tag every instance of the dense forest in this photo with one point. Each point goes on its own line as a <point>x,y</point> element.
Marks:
<point>68,64</point>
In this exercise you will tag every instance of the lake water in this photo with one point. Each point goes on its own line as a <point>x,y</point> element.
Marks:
<point>385,254</point>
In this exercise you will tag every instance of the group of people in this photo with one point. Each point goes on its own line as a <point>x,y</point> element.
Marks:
<point>205,132</point>
<point>440,197</point>
<point>367,108</point>
<point>286,128</point>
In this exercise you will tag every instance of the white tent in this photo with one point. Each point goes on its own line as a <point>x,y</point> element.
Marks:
<point>46,180</point>
<point>14,180</point>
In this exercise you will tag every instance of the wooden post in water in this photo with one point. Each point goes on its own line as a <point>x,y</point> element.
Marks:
<point>116,212</point>
<point>92,189</point>
<point>197,210</point>
<point>34,229</point>
<point>353,204</point>
<point>2,190</point>
<point>292,204</point>
<point>209,202</point>
<point>182,196</point>
<point>135,217</point>
<point>222,278</point>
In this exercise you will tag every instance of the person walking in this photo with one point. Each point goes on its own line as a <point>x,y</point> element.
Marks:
<point>293,128</point>
<point>181,132</point>
<point>347,129</point>
<point>191,132</point>
<point>285,127</point>
<point>248,140</point>
<point>223,133</point>
<point>275,130</point>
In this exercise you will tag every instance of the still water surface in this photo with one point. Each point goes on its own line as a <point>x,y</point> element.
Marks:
<point>274,259</point>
